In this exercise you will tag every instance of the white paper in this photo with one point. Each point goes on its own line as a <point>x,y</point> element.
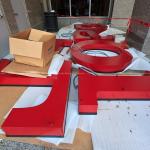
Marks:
<point>112,31</point>
<point>122,125</point>
<point>100,53</point>
<point>119,38</point>
<point>32,96</point>
<point>56,64</point>
<point>71,125</point>
<point>1,131</point>
<point>9,56</point>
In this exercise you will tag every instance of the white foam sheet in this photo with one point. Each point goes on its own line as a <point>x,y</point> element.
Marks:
<point>56,64</point>
<point>33,96</point>
<point>1,132</point>
<point>9,56</point>
<point>122,125</point>
<point>119,38</point>
<point>119,34</point>
<point>85,122</point>
<point>57,61</point>
<point>139,62</point>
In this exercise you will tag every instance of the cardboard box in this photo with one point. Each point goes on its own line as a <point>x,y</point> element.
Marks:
<point>33,47</point>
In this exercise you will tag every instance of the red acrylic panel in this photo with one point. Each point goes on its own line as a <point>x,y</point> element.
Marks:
<point>46,119</point>
<point>93,88</point>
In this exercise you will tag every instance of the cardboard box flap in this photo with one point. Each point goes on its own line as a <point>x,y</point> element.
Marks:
<point>26,70</point>
<point>38,35</point>
<point>46,38</point>
<point>25,48</point>
<point>22,35</point>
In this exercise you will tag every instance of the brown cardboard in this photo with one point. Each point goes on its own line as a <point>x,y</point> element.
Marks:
<point>26,70</point>
<point>9,96</point>
<point>33,47</point>
<point>82,141</point>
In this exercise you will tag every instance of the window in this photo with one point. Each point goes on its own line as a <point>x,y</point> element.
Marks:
<point>61,7</point>
<point>81,7</point>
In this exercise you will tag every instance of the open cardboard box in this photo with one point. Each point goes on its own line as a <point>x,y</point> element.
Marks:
<point>33,47</point>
